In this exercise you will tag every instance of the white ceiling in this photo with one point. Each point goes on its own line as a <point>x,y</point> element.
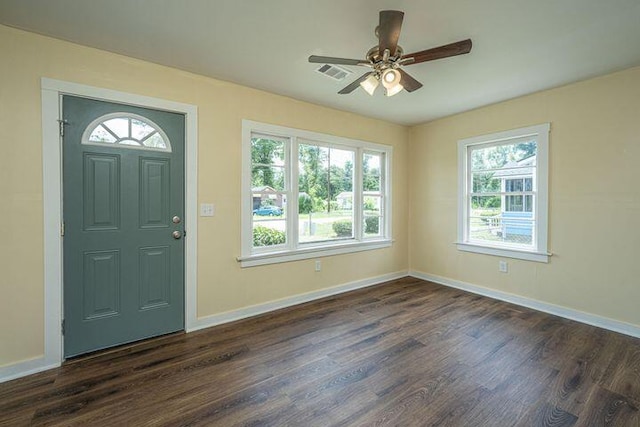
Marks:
<point>519,46</point>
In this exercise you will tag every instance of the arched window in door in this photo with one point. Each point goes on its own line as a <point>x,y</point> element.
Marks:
<point>126,130</point>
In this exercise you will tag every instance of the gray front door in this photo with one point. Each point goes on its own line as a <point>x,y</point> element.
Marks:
<point>123,169</point>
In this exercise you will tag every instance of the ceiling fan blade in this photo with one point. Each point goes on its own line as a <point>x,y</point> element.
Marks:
<point>389,30</point>
<point>354,85</point>
<point>330,60</point>
<point>408,83</point>
<point>453,49</point>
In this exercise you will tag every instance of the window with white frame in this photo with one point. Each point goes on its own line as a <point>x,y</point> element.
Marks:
<point>502,195</point>
<point>307,194</point>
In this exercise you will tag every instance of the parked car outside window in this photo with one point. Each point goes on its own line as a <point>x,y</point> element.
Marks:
<point>268,211</point>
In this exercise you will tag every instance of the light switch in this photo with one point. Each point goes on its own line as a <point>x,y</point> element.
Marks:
<point>206,209</point>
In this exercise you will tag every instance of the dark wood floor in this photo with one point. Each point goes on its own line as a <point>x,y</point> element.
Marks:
<point>404,353</point>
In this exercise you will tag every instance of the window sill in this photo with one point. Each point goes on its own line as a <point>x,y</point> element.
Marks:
<point>312,252</point>
<point>504,252</point>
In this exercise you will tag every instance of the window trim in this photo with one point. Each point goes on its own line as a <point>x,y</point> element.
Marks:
<point>540,251</point>
<point>294,250</point>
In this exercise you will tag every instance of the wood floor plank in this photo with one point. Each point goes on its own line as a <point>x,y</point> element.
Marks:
<point>494,410</point>
<point>605,408</point>
<point>626,378</point>
<point>547,415</point>
<point>408,352</point>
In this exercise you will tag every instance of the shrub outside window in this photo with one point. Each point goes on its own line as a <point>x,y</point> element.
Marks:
<point>307,194</point>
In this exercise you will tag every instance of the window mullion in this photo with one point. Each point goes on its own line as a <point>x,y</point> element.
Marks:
<point>382,219</point>
<point>504,193</point>
<point>292,205</point>
<point>358,189</point>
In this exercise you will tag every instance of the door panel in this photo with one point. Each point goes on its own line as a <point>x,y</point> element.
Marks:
<point>154,185</point>
<point>123,269</point>
<point>101,292</point>
<point>155,277</point>
<point>101,178</point>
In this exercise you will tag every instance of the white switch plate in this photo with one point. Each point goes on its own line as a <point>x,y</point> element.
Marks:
<point>503,267</point>
<point>318,265</point>
<point>206,209</point>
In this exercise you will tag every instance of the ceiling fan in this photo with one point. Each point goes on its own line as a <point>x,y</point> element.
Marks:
<point>387,58</point>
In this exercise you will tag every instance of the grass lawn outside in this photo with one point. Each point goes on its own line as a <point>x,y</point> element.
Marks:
<point>321,224</point>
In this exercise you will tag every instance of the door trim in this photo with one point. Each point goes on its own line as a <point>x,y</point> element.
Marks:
<point>52,91</point>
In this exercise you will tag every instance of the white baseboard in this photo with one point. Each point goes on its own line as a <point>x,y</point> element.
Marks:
<point>254,310</point>
<point>22,369</point>
<point>567,313</point>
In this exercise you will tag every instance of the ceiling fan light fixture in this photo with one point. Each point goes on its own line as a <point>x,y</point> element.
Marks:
<point>370,84</point>
<point>391,81</point>
<point>394,90</point>
<point>390,78</point>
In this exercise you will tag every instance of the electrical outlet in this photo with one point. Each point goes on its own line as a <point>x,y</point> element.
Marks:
<point>318,265</point>
<point>207,209</point>
<point>503,267</point>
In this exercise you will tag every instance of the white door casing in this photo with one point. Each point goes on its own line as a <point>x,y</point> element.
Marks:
<point>52,205</point>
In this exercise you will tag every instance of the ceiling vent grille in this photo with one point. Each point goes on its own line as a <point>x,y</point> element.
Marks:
<point>335,72</point>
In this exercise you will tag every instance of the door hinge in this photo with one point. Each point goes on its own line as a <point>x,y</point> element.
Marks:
<point>62,229</point>
<point>62,123</point>
<point>62,327</point>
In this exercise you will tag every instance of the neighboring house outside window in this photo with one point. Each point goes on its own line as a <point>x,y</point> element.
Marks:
<point>266,196</point>
<point>307,194</point>
<point>503,193</point>
<point>516,180</point>
<point>518,203</point>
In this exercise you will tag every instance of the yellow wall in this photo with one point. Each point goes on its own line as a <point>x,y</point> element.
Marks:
<point>594,188</point>
<point>594,197</point>
<point>222,284</point>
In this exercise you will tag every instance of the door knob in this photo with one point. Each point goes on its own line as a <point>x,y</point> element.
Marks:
<point>176,234</point>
